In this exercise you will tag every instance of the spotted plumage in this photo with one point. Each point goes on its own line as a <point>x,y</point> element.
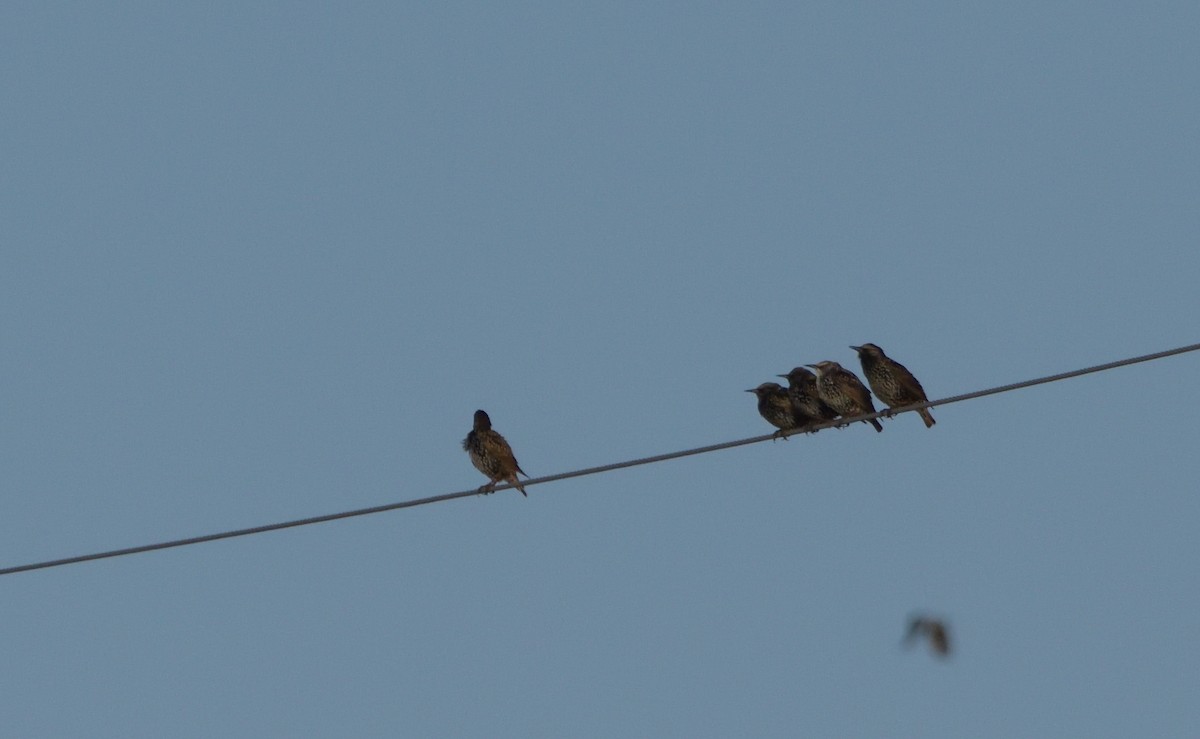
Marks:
<point>492,455</point>
<point>932,630</point>
<point>802,390</point>
<point>776,407</point>
<point>842,391</point>
<point>891,381</point>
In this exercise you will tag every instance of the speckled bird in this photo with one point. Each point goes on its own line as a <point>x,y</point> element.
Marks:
<point>891,381</point>
<point>492,455</point>
<point>776,407</point>
<point>842,391</point>
<point>802,389</point>
<point>932,630</point>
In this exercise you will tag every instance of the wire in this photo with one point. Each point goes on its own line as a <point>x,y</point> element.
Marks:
<point>586,471</point>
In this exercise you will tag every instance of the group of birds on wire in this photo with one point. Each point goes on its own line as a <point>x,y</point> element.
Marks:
<point>812,397</point>
<point>833,391</point>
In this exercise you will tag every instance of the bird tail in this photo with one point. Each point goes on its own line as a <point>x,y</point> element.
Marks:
<point>516,481</point>
<point>875,422</point>
<point>927,417</point>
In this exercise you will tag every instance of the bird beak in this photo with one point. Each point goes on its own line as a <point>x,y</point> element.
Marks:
<point>749,391</point>
<point>856,348</point>
<point>784,376</point>
<point>811,365</point>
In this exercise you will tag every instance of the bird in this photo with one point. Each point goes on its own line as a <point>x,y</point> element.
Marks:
<point>776,407</point>
<point>802,389</point>
<point>891,381</point>
<point>842,391</point>
<point>492,455</point>
<point>932,629</point>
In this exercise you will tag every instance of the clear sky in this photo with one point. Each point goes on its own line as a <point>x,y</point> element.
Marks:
<point>261,261</point>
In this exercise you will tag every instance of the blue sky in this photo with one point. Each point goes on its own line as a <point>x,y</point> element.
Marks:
<point>263,261</point>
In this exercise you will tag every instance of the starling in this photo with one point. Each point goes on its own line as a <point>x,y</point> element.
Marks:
<point>891,381</point>
<point>932,629</point>
<point>842,391</point>
<point>802,389</point>
<point>775,406</point>
<point>492,455</point>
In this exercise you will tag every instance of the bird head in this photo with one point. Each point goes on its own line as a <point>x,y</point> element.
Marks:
<point>825,367</point>
<point>797,375</point>
<point>766,388</point>
<point>869,350</point>
<point>482,422</point>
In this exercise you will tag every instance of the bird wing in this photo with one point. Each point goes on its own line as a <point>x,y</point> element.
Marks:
<point>909,384</point>
<point>858,392</point>
<point>914,630</point>
<point>504,454</point>
<point>939,638</point>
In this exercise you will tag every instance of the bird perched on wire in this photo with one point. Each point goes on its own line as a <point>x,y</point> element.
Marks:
<point>492,455</point>
<point>776,407</point>
<point>841,390</point>
<point>802,389</point>
<point>932,630</point>
<point>891,381</point>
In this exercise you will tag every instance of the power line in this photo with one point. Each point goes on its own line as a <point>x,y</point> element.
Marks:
<point>582,472</point>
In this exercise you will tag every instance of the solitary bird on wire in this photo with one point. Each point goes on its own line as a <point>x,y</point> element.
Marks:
<point>842,391</point>
<point>891,381</point>
<point>932,630</point>
<point>776,407</point>
<point>802,389</point>
<point>492,455</point>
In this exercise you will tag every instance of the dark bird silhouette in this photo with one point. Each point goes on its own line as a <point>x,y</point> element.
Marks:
<point>802,389</point>
<point>932,630</point>
<point>842,391</point>
<point>891,381</point>
<point>492,455</point>
<point>776,407</point>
